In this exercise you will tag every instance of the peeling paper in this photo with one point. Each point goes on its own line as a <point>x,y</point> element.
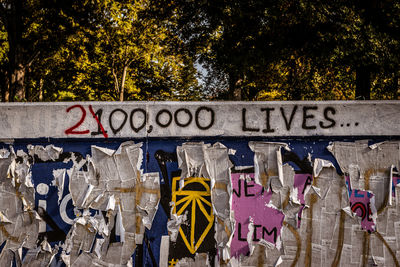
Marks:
<point>113,183</point>
<point>249,236</point>
<point>119,227</point>
<point>191,160</point>
<point>349,211</point>
<point>116,202</point>
<point>324,214</point>
<point>100,176</point>
<point>50,152</point>
<point>20,222</point>
<point>267,161</point>
<point>218,167</point>
<point>174,224</point>
<point>4,153</point>
<point>20,172</point>
<point>301,187</point>
<point>370,179</point>
<point>200,260</point>
<point>43,255</point>
<point>376,145</point>
<point>316,191</point>
<point>3,218</point>
<point>278,262</point>
<point>367,167</point>
<point>393,182</point>
<point>209,162</point>
<point>164,248</point>
<point>319,164</point>
<point>148,203</point>
<point>59,178</point>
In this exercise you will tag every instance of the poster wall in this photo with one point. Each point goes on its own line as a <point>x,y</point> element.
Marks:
<point>200,184</point>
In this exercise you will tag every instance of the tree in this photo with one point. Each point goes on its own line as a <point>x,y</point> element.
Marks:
<point>35,30</point>
<point>91,50</point>
<point>297,46</point>
<point>245,50</point>
<point>144,57</point>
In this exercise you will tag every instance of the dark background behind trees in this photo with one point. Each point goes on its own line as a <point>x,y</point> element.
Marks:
<point>53,50</point>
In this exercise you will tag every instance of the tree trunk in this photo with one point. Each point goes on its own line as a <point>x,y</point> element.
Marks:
<point>292,81</point>
<point>4,86</point>
<point>16,65</point>
<point>41,89</point>
<point>122,91</point>
<point>363,83</point>
<point>17,85</point>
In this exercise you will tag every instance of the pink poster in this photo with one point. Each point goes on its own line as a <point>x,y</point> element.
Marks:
<point>362,203</point>
<point>302,183</point>
<point>249,200</point>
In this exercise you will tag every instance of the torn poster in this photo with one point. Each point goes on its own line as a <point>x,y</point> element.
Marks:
<point>208,166</point>
<point>301,186</point>
<point>19,222</point>
<point>125,200</point>
<point>249,200</point>
<point>267,161</point>
<point>97,203</point>
<point>196,232</point>
<point>362,203</point>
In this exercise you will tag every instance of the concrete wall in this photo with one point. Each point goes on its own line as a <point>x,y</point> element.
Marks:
<point>178,119</point>
<point>191,184</point>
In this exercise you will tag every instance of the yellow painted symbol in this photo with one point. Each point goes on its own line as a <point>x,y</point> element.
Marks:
<point>172,263</point>
<point>197,199</point>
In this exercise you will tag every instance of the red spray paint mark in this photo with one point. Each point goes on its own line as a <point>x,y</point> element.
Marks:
<point>72,130</point>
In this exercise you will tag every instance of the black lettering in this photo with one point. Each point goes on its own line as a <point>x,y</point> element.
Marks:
<point>137,129</point>
<point>288,123</point>
<point>197,118</point>
<point>246,186</point>
<point>328,110</point>
<point>116,130</point>
<point>98,114</point>
<point>176,117</point>
<point>273,231</point>
<point>244,126</point>
<point>307,183</point>
<point>308,116</point>
<point>240,238</point>
<point>255,232</point>
<point>240,189</point>
<point>159,115</point>
<point>267,120</point>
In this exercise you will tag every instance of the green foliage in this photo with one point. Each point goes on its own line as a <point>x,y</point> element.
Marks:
<point>157,49</point>
<point>121,49</point>
<point>291,49</point>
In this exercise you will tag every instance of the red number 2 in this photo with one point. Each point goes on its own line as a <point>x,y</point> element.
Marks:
<point>72,130</point>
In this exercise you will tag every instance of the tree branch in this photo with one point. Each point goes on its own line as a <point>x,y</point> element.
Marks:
<point>114,73</point>
<point>33,57</point>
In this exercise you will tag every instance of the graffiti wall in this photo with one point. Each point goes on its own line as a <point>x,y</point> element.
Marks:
<point>200,184</point>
